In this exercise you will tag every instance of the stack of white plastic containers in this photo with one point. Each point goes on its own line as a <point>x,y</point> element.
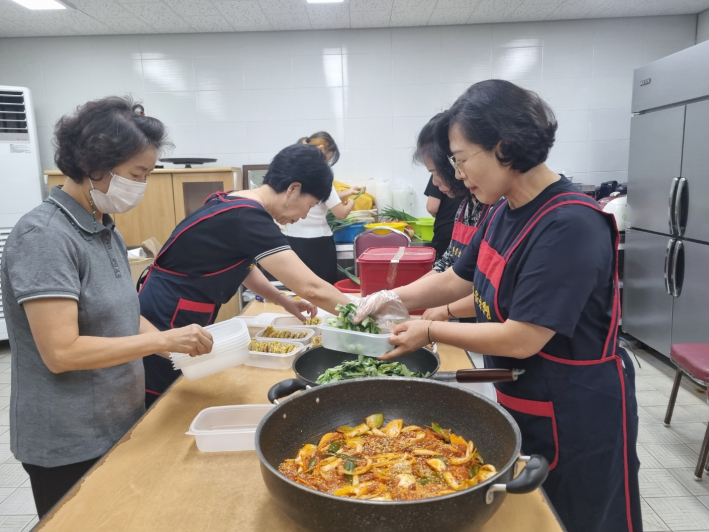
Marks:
<point>230,349</point>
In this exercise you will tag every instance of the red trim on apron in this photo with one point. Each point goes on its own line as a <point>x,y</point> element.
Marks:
<point>224,270</point>
<point>533,408</point>
<point>163,250</point>
<point>491,264</point>
<point>192,306</point>
<point>628,511</point>
<point>463,233</point>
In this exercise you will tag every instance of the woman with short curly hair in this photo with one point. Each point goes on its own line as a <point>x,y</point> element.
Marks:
<point>76,333</point>
<point>543,270</point>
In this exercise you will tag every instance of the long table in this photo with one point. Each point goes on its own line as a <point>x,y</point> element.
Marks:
<point>155,479</point>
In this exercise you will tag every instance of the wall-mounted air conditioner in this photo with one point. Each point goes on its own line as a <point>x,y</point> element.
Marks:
<point>20,175</point>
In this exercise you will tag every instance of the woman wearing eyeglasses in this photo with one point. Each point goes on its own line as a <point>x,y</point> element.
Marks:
<point>543,270</point>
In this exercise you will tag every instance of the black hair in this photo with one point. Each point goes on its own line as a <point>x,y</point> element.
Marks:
<point>324,139</point>
<point>304,164</point>
<point>103,134</point>
<point>428,147</point>
<point>497,111</point>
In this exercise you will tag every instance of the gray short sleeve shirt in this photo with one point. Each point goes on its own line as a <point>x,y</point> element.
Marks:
<point>53,251</point>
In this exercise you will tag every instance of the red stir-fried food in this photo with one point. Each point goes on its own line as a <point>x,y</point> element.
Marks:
<point>395,463</point>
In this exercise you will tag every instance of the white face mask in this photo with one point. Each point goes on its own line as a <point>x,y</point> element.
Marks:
<point>123,194</point>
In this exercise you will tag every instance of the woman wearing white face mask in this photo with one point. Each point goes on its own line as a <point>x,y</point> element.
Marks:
<point>73,316</point>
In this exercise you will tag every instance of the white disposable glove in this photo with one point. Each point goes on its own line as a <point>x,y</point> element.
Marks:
<point>385,307</point>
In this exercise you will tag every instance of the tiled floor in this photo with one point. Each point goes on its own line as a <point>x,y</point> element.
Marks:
<point>17,510</point>
<point>672,500</point>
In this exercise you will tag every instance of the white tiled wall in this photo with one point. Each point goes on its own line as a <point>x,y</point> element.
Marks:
<point>240,97</point>
<point>703,26</point>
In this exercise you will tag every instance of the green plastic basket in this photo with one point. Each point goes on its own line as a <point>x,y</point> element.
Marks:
<point>424,228</point>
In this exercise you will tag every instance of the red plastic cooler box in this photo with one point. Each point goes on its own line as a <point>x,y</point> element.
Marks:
<point>387,268</point>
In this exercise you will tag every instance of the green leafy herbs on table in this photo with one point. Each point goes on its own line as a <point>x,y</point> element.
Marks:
<point>346,320</point>
<point>367,367</point>
<point>336,224</point>
<point>393,215</point>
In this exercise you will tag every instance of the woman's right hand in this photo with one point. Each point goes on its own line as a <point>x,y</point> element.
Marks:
<point>192,340</point>
<point>385,306</point>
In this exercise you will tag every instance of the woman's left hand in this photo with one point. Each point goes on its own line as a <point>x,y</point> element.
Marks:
<point>407,337</point>
<point>299,306</point>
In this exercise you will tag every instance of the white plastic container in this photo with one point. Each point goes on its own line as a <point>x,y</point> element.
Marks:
<point>205,368</point>
<point>304,341</point>
<point>358,343</point>
<point>260,321</point>
<point>230,349</point>
<point>288,322</point>
<point>275,360</point>
<point>227,428</point>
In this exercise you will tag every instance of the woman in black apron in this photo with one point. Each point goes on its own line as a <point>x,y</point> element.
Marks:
<point>543,270</point>
<point>214,250</point>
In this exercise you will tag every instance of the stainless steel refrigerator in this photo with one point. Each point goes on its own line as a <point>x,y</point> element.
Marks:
<point>666,278</point>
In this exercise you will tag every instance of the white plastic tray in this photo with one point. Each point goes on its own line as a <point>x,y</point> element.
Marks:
<point>200,369</point>
<point>227,428</point>
<point>371,345</point>
<point>275,360</point>
<point>286,322</point>
<point>230,349</point>
<point>305,340</point>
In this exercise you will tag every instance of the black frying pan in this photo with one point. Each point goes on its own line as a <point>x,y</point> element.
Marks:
<point>308,366</point>
<point>305,417</point>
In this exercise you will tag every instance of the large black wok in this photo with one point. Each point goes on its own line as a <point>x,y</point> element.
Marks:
<point>308,366</point>
<point>305,417</point>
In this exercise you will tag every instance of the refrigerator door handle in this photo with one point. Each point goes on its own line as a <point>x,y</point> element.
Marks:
<point>668,259</point>
<point>677,275</point>
<point>672,216</point>
<point>680,202</point>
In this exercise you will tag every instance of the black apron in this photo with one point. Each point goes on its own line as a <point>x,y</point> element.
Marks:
<point>579,414</point>
<point>170,299</point>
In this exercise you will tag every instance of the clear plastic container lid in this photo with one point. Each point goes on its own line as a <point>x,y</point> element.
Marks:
<point>357,343</point>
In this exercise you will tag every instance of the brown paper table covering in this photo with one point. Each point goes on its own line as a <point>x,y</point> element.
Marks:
<point>155,479</point>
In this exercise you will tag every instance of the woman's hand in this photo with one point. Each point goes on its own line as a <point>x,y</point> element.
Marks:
<point>299,306</point>
<point>192,340</point>
<point>408,337</point>
<point>384,305</point>
<point>436,314</point>
<point>352,191</point>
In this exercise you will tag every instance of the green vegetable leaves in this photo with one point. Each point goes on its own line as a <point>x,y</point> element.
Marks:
<point>391,214</point>
<point>443,433</point>
<point>346,319</point>
<point>367,367</point>
<point>350,275</point>
<point>334,447</point>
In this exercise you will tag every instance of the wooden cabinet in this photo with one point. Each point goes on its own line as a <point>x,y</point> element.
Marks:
<point>171,195</point>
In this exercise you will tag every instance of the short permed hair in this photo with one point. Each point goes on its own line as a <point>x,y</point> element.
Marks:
<point>427,146</point>
<point>304,164</point>
<point>497,111</point>
<point>103,134</point>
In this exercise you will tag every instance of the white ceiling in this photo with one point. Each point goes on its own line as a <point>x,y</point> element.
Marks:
<point>110,17</point>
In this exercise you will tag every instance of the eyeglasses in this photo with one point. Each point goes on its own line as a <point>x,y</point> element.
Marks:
<point>456,164</point>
